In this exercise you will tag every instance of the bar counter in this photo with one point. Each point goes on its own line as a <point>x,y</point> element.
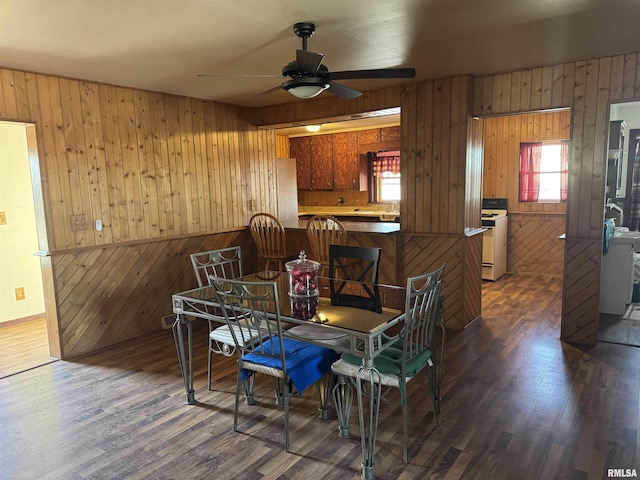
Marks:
<point>350,227</point>
<point>366,234</point>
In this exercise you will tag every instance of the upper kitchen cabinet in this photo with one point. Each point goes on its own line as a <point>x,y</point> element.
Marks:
<point>300,149</point>
<point>314,161</point>
<point>322,162</point>
<point>332,161</point>
<point>345,161</point>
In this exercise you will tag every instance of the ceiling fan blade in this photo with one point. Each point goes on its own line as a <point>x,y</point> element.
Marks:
<point>342,91</point>
<point>308,62</point>
<point>213,75</point>
<point>265,92</point>
<point>375,73</point>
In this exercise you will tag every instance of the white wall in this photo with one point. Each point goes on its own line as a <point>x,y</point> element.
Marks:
<point>18,238</point>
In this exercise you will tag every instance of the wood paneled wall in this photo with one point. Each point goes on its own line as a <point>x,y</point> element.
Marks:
<point>149,165</point>
<point>160,171</point>
<point>587,87</point>
<point>533,228</point>
<point>502,138</point>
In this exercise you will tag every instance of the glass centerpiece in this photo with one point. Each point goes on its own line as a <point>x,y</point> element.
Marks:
<point>303,286</point>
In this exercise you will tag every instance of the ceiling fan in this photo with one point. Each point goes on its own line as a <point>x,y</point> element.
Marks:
<point>307,77</point>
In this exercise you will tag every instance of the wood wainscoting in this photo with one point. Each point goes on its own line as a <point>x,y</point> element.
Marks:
<point>533,243</point>
<point>108,295</point>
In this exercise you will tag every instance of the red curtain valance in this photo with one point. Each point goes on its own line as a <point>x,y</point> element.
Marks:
<point>386,162</point>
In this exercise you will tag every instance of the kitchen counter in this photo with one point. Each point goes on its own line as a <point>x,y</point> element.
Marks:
<point>626,238</point>
<point>350,227</point>
<point>368,211</point>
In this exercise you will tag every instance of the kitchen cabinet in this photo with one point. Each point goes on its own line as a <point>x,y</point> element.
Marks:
<point>338,161</point>
<point>346,161</point>
<point>322,162</point>
<point>300,149</point>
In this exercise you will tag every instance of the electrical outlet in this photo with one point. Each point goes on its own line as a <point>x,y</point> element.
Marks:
<point>20,293</point>
<point>3,218</point>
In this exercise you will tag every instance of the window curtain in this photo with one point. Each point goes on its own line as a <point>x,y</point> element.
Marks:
<point>386,162</point>
<point>564,169</point>
<point>530,154</point>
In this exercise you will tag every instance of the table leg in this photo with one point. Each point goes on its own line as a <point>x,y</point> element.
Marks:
<point>368,430</point>
<point>185,358</point>
<point>324,389</point>
<point>343,398</point>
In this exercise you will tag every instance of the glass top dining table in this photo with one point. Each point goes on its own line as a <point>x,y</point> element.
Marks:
<point>361,332</point>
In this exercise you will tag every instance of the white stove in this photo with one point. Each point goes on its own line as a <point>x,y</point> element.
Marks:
<point>494,241</point>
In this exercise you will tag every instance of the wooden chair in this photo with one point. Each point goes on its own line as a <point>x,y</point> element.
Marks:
<point>270,239</point>
<point>410,351</point>
<point>253,308</point>
<point>323,231</point>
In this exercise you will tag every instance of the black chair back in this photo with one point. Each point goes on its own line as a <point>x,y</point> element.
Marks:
<point>353,276</point>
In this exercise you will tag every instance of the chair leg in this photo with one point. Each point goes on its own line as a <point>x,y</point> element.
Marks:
<point>279,388</point>
<point>433,392</point>
<point>405,426</point>
<point>248,384</point>
<point>287,395</point>
<point>343,398</point>
<point>324,387</point>
<point>209,367</point>
<point>239,381</point>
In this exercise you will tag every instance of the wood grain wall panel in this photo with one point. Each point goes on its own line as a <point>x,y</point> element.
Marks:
<point>472,280</point>
<point>109,294</point>
<point>388,263</point>
<point>424,253</point>
<point>580,286</point>
<point>587,87</point>
<point>437,116</point>
<point>502,138</point>
<point>282,147</point>
<point>142,162</point>
<point>533,244</point>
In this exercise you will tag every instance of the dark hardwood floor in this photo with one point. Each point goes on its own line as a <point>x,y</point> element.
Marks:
<point>517,403</point>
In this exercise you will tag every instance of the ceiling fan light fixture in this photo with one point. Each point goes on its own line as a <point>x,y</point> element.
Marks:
<point>308,87</point>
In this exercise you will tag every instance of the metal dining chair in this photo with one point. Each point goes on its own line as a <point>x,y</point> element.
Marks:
<point>322,231</point>
<point>270,239</point>
<point>221,263</point>
<point>252,308</point>
<point>404,356</point>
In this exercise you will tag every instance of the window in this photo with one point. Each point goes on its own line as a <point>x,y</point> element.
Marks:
<point>389,187</point>
<point>386,177</point>
<point>544,171</point>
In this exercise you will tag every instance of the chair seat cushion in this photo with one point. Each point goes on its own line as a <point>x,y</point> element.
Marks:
<point>389,362</point>
<point>245,337</point>
<point>306,363</point>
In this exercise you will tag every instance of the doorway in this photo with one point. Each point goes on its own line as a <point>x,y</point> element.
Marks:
<point>619,320</point>
<point>25,334</point>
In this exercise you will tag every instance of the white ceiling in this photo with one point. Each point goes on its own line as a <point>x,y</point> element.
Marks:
<point>162,45</point>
